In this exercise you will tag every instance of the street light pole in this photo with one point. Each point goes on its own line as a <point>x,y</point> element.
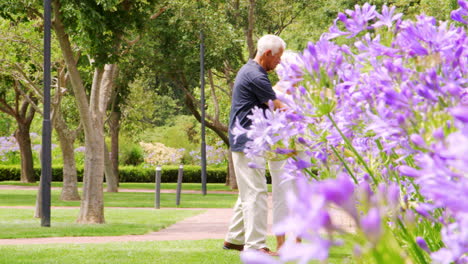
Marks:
<point>202,109</point>
<point>46,171</point>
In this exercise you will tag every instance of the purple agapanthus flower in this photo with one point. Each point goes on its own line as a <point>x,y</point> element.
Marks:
<point>393,112</point>
<point>422,244</point>
<point>461,13</point>
<point>409,171</point>
<point>460,113</point>
<point>358,18</point>
<point>418,141</point>
<point>256,257</point>
<point>371,224</point>
<point>387,17</point>
<point>455,237</point>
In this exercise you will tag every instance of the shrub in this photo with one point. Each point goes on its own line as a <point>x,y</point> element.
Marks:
<point>13,173</point>
<point>159,154</point>
<point>132,155</point>
<point>215,155</point>
<point>9,150</point>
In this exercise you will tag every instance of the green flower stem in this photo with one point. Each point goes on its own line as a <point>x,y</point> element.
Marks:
<point>345,164</point>
<point>415,248</point>
<point>386,164</point>
<point>348,143</point>
<point>377,256</point>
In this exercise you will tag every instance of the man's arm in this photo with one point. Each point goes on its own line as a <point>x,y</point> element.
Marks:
<point>265,92</point>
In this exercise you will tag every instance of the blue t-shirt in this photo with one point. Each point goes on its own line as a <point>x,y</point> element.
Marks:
<point>251,88</point>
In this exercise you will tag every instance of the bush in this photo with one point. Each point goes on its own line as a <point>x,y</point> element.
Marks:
<point>133,155</point>
<point>159,154</point>
<point>13,173</point>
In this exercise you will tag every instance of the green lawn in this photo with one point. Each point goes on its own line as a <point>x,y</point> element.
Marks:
<point>161,252</point>
<point>141,185</point>
<point>125,199</point>
<point>20,223</point>
<point>145,186</point>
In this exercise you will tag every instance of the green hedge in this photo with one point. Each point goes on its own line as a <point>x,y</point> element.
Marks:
<point>169,174</point>
<point>130,174</point>
<point>127,174</point>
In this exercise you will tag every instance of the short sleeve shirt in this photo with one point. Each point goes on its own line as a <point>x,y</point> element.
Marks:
<point>251,88</point>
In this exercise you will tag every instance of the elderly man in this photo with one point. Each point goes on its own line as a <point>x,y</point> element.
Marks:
<point>252,88</point>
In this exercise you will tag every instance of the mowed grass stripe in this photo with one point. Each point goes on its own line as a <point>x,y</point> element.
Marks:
<point>167,252</point>
<point>141,185</point>
<point>124,199</point>
<point>20,223</point>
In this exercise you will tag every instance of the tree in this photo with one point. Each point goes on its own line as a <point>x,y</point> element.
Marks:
<point>67,137</point>
<point>22,61</point>
<point>16,97</point>
<point>23,113</point>
<point>99,30</point>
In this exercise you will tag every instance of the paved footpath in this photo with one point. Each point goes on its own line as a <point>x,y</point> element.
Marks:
<point>211,224</point>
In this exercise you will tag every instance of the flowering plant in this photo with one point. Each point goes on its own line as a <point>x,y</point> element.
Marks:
<point>393,110</point>
<point>159,154</point>
<point>8,145</point>
<point>215,155</point>
<point>10,150</point>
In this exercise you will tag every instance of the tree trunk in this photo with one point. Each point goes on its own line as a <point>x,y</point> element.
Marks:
<point>66,139</point>
<point>250,29</point>
<point>114,127</point>
<point>231,173</point>
<point>92,203</point>
<point>24,142</point>
<point>92,118</point>
<point>70,178</point>
<point>111,178</point>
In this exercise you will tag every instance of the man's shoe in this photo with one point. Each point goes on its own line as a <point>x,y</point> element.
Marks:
<point>268,252</point>
<point>231,246</point>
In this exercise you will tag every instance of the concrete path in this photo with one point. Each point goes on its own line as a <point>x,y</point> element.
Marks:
<point>212,224</point>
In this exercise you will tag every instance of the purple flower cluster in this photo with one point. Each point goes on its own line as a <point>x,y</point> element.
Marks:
<point>311,220</point>
<point>7,144</point>
<point>80,149</point>
<point>214,154</point>
<point>38,147</point>
<point>461,13</point>
<point>389,118</point>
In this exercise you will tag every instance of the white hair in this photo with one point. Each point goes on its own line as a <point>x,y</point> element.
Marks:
<point>270,42</point>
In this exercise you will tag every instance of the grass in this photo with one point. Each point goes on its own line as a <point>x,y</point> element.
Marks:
<point>20,223</point>
<point>164,252</point>
<point>140,185</point>
<point>125,199</point>
<point>145,186</point>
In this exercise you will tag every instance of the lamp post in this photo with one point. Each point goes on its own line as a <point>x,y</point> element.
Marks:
<point>46,166</point>
<point>202,110</point>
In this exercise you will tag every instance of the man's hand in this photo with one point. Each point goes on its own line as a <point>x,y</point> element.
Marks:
<point>279,105</point>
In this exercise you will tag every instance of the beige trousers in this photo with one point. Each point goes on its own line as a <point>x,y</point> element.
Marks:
<point>249,222</point>
<point>280,188</point>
